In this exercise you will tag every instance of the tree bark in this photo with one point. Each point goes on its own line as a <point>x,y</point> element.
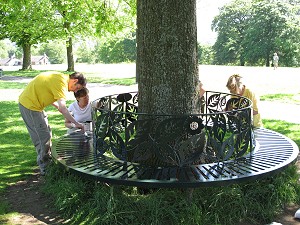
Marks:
<point>167,76</point>
<point>167,66</point>
<point>69,44</point>
<point>70,57</point>
<point>26,57</point>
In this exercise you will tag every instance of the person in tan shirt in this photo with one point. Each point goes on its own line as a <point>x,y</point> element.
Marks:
<point>236,86</point>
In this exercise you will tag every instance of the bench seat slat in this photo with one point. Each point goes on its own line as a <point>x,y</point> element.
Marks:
<point>273,153</point>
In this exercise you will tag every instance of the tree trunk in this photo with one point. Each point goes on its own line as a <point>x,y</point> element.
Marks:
<point>26,57</point>
<point>69,43</point>
<point>167,56</point>
<point>268,60</point>
<point>70,56</point>
<point>167,75</point>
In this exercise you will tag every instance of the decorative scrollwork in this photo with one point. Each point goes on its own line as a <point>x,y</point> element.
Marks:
<point>223,133</point>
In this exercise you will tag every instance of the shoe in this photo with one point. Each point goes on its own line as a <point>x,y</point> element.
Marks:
<point>297,214</point>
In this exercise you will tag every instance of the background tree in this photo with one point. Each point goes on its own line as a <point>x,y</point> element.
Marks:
<point>55,50</point>
<point>27,23</point>
<point>271,29</point>
<point>205,54</point>
<point>117,50</point>
<point>251,31</point>
<point>91,18</point>
<point>6,49</point>
<point>77,18</point>
<point>230,25</point>
<point>86,51</point>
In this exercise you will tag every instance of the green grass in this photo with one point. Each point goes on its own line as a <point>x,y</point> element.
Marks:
<point>17,154</point>
<point>285,98</point>
<point>24,73</point>
<point>87,202</point>
<point>115,81</point>
<point>91,77</point>
<point>11,85</point>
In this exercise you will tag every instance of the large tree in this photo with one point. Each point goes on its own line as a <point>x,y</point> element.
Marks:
<point>91,18</point>
<point>27,23</point>
<point>250,31</point>
<point>77,19</point>
<point>167,65</point>
<point>274,27</point>
<point>230,25</point>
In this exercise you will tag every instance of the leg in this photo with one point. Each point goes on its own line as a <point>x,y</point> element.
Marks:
<point>40,133</point>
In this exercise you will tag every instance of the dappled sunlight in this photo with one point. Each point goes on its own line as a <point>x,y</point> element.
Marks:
<point>291,130</point>
<point>18,156</point>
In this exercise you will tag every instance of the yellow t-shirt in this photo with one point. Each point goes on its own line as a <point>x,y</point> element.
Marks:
<point>257,121</point>
<point>44,89</point>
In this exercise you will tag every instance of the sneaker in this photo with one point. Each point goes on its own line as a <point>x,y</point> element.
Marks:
<point>297,214</point>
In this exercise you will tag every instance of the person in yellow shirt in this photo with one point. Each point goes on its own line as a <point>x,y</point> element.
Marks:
<point>236,86</point>
<point>48,88</point>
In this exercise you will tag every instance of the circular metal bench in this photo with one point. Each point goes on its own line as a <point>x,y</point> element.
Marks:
<point>220,146</point>
<point>274,152</point>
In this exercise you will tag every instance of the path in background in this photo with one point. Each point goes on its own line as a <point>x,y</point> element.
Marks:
<point>262,80</point>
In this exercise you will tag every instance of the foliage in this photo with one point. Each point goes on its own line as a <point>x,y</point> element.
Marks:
<point>205,54</point>
<point>250,31</point>
<point>96,18</point>
<point>5,49</point>
<point>114,49</point>
<point>230,25</point>
<point>55,50</point>
<point>27,23</point>
<point>117,50</point>
<point>31,22</point>
<point>86,52</point>
<point>273,28</point>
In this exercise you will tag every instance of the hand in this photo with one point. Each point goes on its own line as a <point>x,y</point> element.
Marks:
<point>80,126</point>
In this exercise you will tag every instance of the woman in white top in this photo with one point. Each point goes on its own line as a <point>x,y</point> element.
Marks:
<point>80,109</point>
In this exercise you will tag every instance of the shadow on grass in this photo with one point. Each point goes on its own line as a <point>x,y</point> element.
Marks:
<point>291,130</point>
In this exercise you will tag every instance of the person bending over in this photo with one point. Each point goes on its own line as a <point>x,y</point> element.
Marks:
<point>47,88</point>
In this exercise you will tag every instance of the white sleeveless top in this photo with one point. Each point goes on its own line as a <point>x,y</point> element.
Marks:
<point>79,114</point>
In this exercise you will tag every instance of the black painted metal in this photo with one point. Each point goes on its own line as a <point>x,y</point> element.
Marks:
<point>273,152</point>
<point>216,147</point>
<point>220,133</point>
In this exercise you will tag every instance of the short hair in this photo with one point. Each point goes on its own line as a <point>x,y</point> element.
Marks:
<point>81,93</point>
<point>81,79</point>
<point>234,81</point>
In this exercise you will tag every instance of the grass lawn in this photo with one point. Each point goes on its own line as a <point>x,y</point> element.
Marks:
<point>91,76</point>
<point>86,202</point>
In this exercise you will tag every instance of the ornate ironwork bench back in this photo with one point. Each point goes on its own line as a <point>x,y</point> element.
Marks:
<point>223,132</point>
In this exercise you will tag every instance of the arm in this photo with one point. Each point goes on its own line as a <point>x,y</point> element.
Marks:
<point>201,89</point>
<point>69,124</point>
<point>61,106</point>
